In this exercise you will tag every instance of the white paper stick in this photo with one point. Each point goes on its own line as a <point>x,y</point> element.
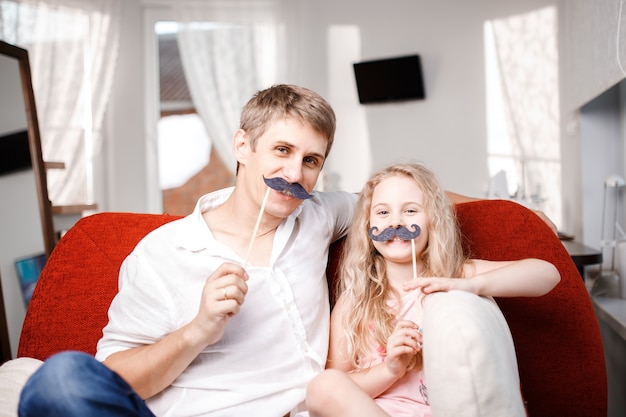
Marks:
<point>414,261</point>
<point>256,226</point>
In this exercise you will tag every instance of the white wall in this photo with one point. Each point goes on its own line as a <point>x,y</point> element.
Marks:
<point>447,130</point>
<point>589,60</point>
<point>602,156</point>
<point>121,174</point>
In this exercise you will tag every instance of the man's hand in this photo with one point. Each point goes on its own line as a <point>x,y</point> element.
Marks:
<point>222,296</point>
<point>151,368</point>
<point>459,198</point>
<point>546,220</point>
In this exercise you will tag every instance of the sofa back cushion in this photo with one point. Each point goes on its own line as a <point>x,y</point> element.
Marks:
<point>69,306</point>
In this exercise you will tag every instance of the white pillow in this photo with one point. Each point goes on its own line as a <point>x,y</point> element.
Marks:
<point>469,358</point>
<point>13,377</point>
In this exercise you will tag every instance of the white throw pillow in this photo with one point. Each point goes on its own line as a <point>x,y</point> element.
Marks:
<point>13,377</point>
<point>469,358</point>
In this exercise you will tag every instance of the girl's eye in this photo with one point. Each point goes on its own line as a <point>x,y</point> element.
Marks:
<point>382,212</point>
<point>281,149</point>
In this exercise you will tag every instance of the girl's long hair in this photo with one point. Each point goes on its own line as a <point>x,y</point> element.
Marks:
<point>369,316</point>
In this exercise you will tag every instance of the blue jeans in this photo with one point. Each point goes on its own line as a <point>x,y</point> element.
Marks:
<point>76,384</point>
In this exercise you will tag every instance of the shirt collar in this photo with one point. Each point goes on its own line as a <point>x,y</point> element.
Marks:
<point>195,234</point>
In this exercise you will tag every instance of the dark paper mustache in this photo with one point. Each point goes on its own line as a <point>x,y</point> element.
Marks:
<point>281,184</point>
<point>390,232</point>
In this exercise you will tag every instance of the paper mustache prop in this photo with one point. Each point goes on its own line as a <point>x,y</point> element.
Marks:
<point>403,233</point>
<point>391,232</point>
<point>281,184</point>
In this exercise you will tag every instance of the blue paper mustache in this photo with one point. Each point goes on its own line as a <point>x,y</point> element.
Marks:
<point>390,232</point>
<point>281,184</point>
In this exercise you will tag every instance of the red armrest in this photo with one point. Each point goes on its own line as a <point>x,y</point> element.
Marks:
<point>557,336</point>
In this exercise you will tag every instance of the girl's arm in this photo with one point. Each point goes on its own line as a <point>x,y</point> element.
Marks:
<point>523,278</point>
<point>403,344</point>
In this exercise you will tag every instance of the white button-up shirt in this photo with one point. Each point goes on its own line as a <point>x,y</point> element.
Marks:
<point>277,342</point>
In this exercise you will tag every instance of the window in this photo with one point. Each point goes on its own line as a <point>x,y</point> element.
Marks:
<point>523,108</point>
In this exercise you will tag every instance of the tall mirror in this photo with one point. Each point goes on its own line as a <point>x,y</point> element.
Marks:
<point>27,234</point>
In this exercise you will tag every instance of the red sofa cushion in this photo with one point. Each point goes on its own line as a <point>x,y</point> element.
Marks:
<point>69,305</point>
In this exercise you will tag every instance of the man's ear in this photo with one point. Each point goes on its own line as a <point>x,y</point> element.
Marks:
<point>241,145</point>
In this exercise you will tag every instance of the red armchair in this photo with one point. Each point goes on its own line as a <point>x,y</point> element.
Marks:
<point>557,337</point>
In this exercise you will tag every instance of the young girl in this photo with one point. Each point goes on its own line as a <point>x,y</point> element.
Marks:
<point>376,334</point>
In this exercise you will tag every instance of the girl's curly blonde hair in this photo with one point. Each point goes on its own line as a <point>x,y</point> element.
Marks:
<point>363,283</point>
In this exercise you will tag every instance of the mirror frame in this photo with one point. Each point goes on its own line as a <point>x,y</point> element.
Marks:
<point>5,345</point>
<point>34,142</point>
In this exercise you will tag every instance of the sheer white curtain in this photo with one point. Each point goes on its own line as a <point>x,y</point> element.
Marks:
<point>72,46</point>
<point>229,50</point>
<point>526,57</point>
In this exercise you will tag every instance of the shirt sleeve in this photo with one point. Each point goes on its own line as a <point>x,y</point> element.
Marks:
<point>140,313</point>
<point>340,206</point>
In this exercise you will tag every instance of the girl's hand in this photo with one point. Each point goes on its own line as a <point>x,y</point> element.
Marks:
<point>403,344</point>
<point>431,284</point>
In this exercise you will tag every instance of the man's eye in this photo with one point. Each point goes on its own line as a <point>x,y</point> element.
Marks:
<point>310,161</point>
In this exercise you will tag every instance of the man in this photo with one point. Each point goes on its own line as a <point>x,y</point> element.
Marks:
<point>224,312</point>
<point>179,331</point>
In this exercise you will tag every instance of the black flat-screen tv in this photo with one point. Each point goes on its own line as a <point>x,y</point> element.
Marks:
<point>14,152</point>
<point>390,79</point>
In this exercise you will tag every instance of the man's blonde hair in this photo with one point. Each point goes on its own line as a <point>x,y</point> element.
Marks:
<point>288,101</point>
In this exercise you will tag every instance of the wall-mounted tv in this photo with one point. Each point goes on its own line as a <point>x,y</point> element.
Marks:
<point>14,152</point>
<point>390,79</point>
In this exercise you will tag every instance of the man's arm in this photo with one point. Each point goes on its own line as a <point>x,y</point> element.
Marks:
<point>458,198</point>
<point>152,368</point>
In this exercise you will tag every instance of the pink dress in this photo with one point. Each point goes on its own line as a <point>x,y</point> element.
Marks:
<point>408,397</point>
